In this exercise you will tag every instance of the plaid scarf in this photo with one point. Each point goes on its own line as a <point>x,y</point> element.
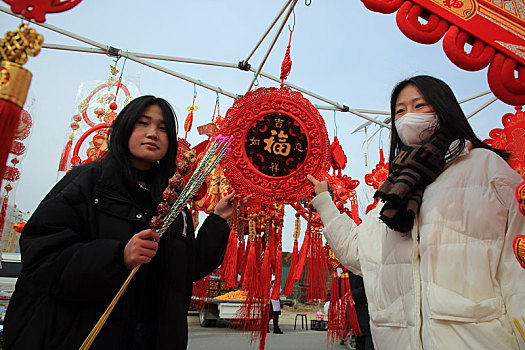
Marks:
<point>411,171</point>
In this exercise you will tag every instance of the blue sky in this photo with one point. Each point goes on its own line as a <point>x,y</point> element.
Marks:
<point>340,50</point>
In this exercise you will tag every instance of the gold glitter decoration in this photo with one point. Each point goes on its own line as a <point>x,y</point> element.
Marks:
<point>83,106</point>
<point>17,45</point>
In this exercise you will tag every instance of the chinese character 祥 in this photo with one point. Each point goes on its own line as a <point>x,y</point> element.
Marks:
<point>274,167</point>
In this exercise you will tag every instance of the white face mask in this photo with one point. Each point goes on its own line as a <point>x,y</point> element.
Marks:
<point>416,128</point>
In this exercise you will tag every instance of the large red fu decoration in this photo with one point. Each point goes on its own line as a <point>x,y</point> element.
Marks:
<point>495,30</point>
<point>278,138</point>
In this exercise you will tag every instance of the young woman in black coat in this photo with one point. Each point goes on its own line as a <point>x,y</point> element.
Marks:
<point>92,229</point>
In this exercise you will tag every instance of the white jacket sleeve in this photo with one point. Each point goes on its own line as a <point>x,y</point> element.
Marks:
<point>510,274</point>
<point>340,232</point>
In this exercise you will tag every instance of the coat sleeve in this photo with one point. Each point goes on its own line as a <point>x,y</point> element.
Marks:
<point>510,274</point>
<point>60,256</point>
<point>211,245</point>
<point>340,232</point>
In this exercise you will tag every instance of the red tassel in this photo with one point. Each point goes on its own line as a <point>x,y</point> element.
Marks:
<point>240,254</point>
<point>263,297</point>
<point>286,66</point>
<point>301,260</point>
<point>278,267</point>
<point>62,166</point>
<point>355,211</point>
<point>290,281</point>
<point>228,270</point>
<point>249,278</point>
<point>199,293</point>
<point>13,98</point>
<point>188,123</point>
<point>334,312</point>
<point>3,212</point>
<point>350,309</point>
<point>345,288</point>
<point>317,269</point>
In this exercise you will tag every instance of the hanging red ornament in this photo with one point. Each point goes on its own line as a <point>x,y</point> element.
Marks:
<point>286,66</point>
<point>278,138</point>
<point>512,139</point>
<point>113,106</point>
<point>519,249</point>
<point>14,82</point>
<point>379,173</point>
<point>37,9</point>
<point>189,118</point>
<point>337,155</point>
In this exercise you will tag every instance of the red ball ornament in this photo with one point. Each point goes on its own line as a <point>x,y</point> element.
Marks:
<point>113,106</point>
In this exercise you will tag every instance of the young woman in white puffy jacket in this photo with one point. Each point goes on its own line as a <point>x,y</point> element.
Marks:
<point>436,253</point>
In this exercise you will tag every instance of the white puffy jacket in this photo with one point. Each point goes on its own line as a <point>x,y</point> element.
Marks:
<point>454,283</point>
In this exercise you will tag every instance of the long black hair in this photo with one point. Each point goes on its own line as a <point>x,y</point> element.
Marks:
<point>119,142</point>
<point>451,119</point>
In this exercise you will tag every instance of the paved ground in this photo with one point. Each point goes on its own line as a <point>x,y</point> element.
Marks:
<point>222,337</point>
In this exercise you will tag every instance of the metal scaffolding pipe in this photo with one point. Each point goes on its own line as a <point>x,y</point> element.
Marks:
<point>129,56</point>
<point>482,107</point>
<point>140,55</point>
<point>294,2</point>
<point>268,30</point>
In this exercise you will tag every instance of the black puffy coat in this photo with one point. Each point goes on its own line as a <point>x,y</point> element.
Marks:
<point>73,266</point>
